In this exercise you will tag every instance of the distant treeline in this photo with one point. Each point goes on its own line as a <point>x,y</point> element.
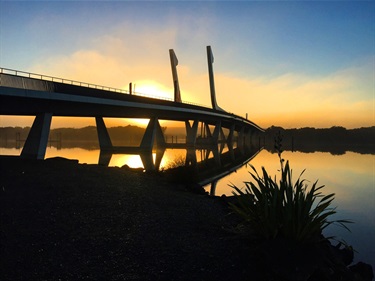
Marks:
<point>336,140</point>
<point>76,137</point>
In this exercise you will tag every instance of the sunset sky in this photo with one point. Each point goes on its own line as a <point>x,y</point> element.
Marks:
<point>291,64</point>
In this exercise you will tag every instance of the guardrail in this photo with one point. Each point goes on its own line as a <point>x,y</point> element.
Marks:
<point>56,79</point>
<point>83,84</point>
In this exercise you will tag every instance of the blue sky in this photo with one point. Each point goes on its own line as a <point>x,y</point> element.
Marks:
<point>293,64</point>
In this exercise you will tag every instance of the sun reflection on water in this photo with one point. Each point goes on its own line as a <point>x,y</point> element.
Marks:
<point>133,161</point>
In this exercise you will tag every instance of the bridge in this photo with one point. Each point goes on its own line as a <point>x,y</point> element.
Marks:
<point>42,96</point>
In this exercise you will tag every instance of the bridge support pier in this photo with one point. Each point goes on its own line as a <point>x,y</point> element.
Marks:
<point>247,138</point>
<point>230,135</point>
<point>191,157</point>
<point>159,157</point>
<point>241,136</point>
<point>213,188</point>
<point>37,140</point>
<point>216,153</point>
<point>147,160</point>
<point>213,137</point>
<point>191,132</point>
<point>103,136</point>
<point>207,131</point>
<point>153,133</point>
<point>217,132</point>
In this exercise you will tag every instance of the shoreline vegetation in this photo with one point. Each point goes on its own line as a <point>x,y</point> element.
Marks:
<point>335,140</point>
<point>293,215</point>
<point>61,220</point>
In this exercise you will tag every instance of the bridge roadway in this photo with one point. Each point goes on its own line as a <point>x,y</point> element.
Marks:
<point>40,97</point>
<point>28,96</point>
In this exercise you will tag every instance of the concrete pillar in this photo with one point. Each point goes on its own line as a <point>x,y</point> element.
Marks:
<point>207,130</point>
<point>104,158</point>
<point>191,132</point>
<point>153,132</point>
<point>37,140</point>
<point>222,146</point>
<point>103,136</point>
<point>222,134</point>
<point>213,188</point>
<point>147,160</point>
<point>249,136</point>
<point>207,154</point>
<point>217,155</point>
<point>159,157</point>
<point>231,151</point>
<point>240,141</point>
<point>191,157</point>
<point>230,135</point>
<point>217,131</point>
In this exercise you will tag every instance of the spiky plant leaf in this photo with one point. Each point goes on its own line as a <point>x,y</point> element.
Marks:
<point>284,208</point>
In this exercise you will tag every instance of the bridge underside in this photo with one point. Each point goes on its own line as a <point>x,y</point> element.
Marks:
<point>31,102</point>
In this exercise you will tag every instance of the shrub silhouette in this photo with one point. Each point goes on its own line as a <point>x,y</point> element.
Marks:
<point>284,209</point>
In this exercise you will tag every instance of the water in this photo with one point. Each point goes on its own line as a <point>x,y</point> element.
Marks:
<point>351,176</point>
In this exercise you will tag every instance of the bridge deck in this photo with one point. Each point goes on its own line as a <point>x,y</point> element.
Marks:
<point>29,96</point>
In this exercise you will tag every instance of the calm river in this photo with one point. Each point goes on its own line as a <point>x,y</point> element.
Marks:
<point>350,176</point>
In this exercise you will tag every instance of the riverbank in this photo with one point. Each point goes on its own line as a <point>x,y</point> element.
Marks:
<point>61,220</point>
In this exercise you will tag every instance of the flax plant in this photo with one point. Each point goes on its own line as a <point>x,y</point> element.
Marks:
<point>284,209</point>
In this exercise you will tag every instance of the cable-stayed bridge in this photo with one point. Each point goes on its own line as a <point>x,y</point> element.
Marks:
<point>23,93</point>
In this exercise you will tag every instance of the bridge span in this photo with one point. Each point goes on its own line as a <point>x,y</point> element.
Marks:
<point>23,93</point>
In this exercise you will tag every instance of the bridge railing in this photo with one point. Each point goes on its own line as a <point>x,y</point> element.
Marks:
<point>83,84</point>
<point>59,80</point>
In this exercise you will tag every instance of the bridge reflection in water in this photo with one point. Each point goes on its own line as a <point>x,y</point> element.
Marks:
<point>208,162</point>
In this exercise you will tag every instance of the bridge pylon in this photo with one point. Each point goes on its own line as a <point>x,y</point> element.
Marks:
<point>174,63</point>
<point>210,60</point>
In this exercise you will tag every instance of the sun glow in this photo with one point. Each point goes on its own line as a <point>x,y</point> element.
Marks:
<point>152,89</point>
